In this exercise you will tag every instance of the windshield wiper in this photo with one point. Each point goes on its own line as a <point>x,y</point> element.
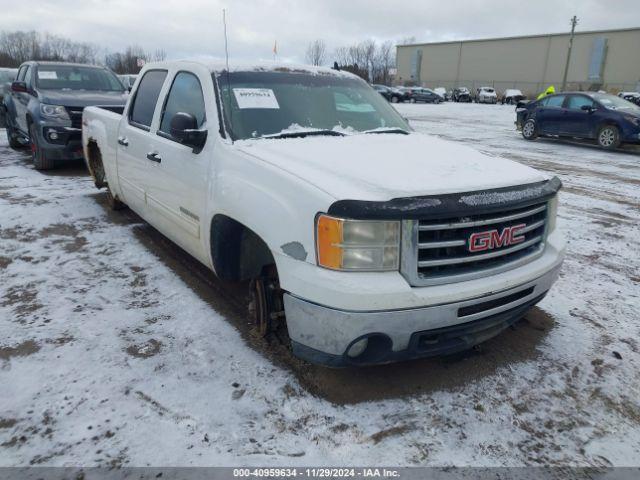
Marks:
<point>304,133</point>
<point>388,130</point>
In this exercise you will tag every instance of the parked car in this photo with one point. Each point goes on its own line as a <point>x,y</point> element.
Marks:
<point>486,95</point>
<point>633,97</point>
<point>512,96</point>
<point>128,80</point>
<point>391,94</point>
<point>312,204</point>
<point>605,118</point>
<point>425,95</point>
<point>461,94</point>
<point>443,93</point>
<point>406,93</point>
<point>45,107</point>
<point>7,75</point>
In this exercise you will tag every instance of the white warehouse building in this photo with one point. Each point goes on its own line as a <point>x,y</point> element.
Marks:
<point>604,59</point>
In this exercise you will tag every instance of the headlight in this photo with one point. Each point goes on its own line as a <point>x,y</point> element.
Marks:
<point>633,119</point>
<point>53,111</point>
<point>357,245</point>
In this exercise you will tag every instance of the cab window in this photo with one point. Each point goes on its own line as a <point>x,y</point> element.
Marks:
<point>144,103</point>
<point>21,73</point>
<point>184,96</point>
<point>576,102</point>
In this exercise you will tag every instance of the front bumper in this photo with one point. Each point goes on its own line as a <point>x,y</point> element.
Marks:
<point>631,136</point>
<point>324,335</point>
<point>67,145</point>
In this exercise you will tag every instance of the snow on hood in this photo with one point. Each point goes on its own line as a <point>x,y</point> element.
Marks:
<point>386,166</point>
<point>82,98</point>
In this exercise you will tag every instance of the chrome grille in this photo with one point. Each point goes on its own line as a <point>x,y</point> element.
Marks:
<point>75,113</point>
<point>437,251</point>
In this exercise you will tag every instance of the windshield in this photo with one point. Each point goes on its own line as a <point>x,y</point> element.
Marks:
<point>614,103</point>
<point>259,104</point>
<point>463,90</point>
<point>488,90</point>
<point>71,77</point>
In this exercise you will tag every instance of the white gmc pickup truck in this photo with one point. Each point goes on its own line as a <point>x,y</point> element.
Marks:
<point>371,243</point>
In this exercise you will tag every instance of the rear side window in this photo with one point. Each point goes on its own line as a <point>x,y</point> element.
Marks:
<point>576,102</point>
<point>555,101</point>
<point>144,104</point>
<point>21,73</point>
<point>184,96</point>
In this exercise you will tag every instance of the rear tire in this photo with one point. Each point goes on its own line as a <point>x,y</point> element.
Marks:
<point>395,99</point>
<point>413,100</point>
<point>530,130</point>
<point>609,137</point>
<point>113,202</point>
<point>40,160</point>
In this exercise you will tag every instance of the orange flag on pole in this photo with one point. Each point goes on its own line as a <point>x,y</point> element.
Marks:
<point>275,47</point>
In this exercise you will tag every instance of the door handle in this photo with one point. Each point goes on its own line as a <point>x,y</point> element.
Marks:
<point>123,141</point>
<point>154,157</point>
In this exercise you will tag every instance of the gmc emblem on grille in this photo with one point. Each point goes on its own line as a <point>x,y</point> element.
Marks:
<point>481,241</point>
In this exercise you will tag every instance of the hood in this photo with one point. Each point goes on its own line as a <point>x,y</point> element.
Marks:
<point>386,166</point>
<point>82,98</point>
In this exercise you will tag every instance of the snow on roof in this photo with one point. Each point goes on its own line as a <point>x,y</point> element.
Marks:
<point>263,66</point>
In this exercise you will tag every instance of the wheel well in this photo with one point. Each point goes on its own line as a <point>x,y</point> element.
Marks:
<point>94,160</point>
<point>606,123</point>
<point>238,253</point>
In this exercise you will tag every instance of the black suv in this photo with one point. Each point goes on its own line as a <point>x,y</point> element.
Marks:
<point>391,94</point>
<point>461,94</point>
<point>44,107</point>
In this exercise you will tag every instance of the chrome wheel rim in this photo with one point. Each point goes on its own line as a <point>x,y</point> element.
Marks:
<point>607,137</point>
<point>528,129</point>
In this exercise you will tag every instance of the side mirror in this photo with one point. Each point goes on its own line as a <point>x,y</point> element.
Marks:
<point>184,128</point>
<point>19,87</point>
<point>587,108</point>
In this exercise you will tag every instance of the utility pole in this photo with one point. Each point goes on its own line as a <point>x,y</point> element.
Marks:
<point>574,22</point>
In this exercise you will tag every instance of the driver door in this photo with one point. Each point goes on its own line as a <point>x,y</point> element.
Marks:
<point>178,186</point>
<point>549,115</point>
<point>578,121</point>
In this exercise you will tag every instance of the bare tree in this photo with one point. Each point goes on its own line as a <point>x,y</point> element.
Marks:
<point>316,52</point>
<point>159,55</point>
<point>385,61</point>
<point>367,59</point>
<point>18,47</point>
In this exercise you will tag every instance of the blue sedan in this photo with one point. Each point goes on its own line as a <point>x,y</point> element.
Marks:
<point>607,119</point>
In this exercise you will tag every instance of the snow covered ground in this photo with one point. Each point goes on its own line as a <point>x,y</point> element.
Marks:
<point>117,349</point>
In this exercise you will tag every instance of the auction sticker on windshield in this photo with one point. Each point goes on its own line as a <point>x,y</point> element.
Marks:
<point>255,98</point>
<point>47,75</point>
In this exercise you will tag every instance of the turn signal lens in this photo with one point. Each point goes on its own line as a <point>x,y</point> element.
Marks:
<point>328,239</point>
<point>352,245</point>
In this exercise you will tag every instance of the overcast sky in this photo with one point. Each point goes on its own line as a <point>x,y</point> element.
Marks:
<point>193,28</point>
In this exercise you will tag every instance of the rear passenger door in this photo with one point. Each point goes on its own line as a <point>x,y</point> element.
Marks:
<point>178,185</point>
<point>135,140</point>
<point>549,115</point>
